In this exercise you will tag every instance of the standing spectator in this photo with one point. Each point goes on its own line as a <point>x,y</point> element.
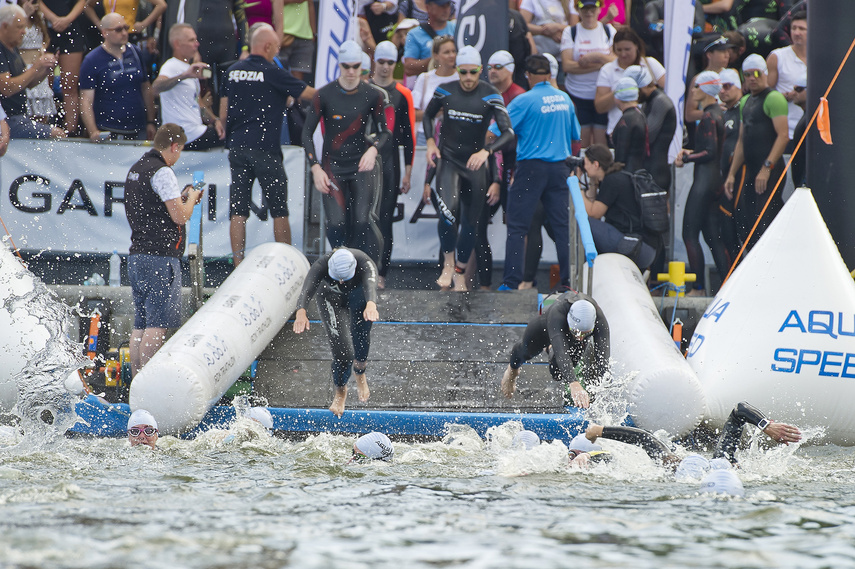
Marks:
<point>547,131</point>
<point>629,50</point>
<point>546,21</point>
<point>401,100</point>
<point>630,135</point>
<point>417,51</point>
<point>265,12</point>
<point>299,33</point>
<point>520,45</point>
<point>40,104</point>
<point>381,15</point>
<point>661,123</point>
<point>444,57</point>
<point>701,211</point>
<point>68,42</point>
<point>399,38</point>
<point>762,140</point>
<point>129,10</point>
<point>585,48</point>
<point>157,211</point>
<point>253,104</point>
<point>616,11</point>
<point>180,91</point>
<point>417,9</point>
<point>717,56</point>
<point>15,79</point>
<point>730,95</point>
<point>347,174</point>
<point>787,64</point>
<point>115,93</point>
<point>468,105</point>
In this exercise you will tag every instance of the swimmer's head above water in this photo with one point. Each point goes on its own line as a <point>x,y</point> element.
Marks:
<point>581,318</point>
<point>373,446</point>
<point>142,429</point>
<point>342,265</point>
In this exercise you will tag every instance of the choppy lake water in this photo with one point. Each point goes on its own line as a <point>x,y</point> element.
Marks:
<point>259,501</point>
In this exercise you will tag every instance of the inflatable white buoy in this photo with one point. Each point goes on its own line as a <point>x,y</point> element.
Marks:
<point>664,394</point>
<point>781,332</point>
<point>197,365</point>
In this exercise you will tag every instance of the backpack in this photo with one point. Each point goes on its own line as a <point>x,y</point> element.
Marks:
<point>605,29</point>
<point>652,201</point>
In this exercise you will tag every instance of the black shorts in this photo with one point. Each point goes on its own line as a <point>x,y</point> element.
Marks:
<point>587,113</point>
<point>248,165</point>
<point>70,40</point>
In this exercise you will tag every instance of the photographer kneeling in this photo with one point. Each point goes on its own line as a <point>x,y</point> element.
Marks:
<point>612,209</point>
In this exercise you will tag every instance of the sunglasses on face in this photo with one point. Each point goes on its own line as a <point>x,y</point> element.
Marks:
<point>347,67</point>
<point>385,62</point>
<point>496,66</point>
<point>475,71</point>
<point>136,431</point>
<point>120,29</point>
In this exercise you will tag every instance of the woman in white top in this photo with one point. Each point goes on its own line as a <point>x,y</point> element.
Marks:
<point>788,64</point>
<point>629,50</point>
<point>585,48</point>
<point>443,57</point>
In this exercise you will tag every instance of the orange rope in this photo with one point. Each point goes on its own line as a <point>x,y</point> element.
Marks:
<point>17,252</point>
<point>789,162</point>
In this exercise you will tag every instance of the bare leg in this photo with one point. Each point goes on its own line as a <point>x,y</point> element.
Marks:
<point>281,230</point>
<point>600,136</point>
<point>339,398</point>
<point>444,280</point>
<point>586,136</point>
<point>237,235</point>
<point>136,340</point>
<point>509,381</point>
<point>361,381</point>
<point>69,65</point>
<point>152,340</point>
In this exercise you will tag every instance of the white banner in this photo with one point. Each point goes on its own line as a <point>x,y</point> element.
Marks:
<point>336,24</point>
<point>679,21</point>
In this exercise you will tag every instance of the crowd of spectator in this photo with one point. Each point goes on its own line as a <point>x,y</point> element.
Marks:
<point>115,70</point>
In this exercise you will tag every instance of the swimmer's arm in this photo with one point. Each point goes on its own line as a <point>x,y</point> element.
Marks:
<point>556,323</point>
<point>602,350</point>
<point>313,280</point>
<point>654,448</point>
<point>369,275</point>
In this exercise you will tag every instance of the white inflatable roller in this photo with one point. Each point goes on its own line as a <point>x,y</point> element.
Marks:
<point>780,334</point>
<point>664,394</point>
<point>24,334</point>
<point>197,365</point>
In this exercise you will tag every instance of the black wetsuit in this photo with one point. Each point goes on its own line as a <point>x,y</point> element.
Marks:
<point>461,192</point>
<point>401,100</point>
<point>341,306</point>
<point>551,328</point>
<point>350,207</point>
<point>732,120</point>
<point>701,211</point>
<point>630,139</point>
<point>661,126</point>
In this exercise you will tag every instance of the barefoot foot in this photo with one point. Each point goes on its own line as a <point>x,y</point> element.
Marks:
<point>509,381</point>
<point>340,397</point>
<point>362,386</point>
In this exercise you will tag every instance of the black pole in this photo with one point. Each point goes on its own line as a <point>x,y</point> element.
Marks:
<point>831,168</point>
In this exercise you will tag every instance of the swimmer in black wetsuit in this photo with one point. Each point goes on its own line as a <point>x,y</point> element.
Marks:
<point>566,326</point>
<point>701,211</point>
<point>468,105</point>
<point>346,283</point>
<point>348,174</point>
<point>730,95</point>
<point>630,133</point>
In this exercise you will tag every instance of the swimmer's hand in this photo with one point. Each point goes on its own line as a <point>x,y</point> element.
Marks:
<point>783,433</point>
<point>301,321</point>
<point>493,194</point>
<point>366,163</point>
<point>426,194</point>
<point>432,153</point>
<point>370,313</point>
<point>322,181</point>
<point>477,160</point>
<point>593,432</point>
<point>579,395</point>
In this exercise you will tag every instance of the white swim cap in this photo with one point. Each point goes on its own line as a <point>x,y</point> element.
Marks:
<point>626,90</point>
<point>754,61</point>
<point>553,65</point>
<point>366,62</point>
<point>639,74</point>
<point>385,50</point>
<point>504,59</point>
<point>723,482</point>
<point>730,76</point>
<point>709,82</point>
<point>525,439</point>
<point>720,464</point>
<point>342,265</point>
<point>262,415</point>
<point>468,55</point>
<point>375,445</point>
<point>582,315</point>
<point>350,52</point>
<point>580,442</point>
<point>693,466</point>
<point>141,417</point>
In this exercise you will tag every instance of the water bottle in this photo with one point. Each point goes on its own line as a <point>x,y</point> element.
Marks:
<point>115,269</point>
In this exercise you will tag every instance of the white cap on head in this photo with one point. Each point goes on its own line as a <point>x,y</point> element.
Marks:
<point>626,90</point>
<point>720,464</point>
<point>582,316</point>
<point>755,61</point>
<point>723,482</point>
<point>525,439</point>
<point>350,53</point>
<point>468,55</point>
<point>342,265</point>
<point>375,445</point>
<point>693,467</point>
<point>504,59</point>
<point>639,74</point>
<point>730,76</point>
<point>553,65</point>
<point>366,62</point>
<point>709,82</point>
<point>407,24</point>
<point>580,442</point>
<point>385,50</point>
<point>262,415</point>
<point>141,417</point>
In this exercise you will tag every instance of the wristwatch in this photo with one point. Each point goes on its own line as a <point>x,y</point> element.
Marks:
<point>767,164</point>
<point>763,424</point>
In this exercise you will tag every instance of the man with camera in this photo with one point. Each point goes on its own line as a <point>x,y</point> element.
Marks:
<point>180,91</point>
<point>544,120</point>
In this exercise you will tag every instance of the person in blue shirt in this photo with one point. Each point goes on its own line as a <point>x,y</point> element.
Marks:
<point>417,49</point>
<point>544,120</point>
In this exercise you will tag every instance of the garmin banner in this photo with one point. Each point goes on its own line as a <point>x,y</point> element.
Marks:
<point>477,22</point>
